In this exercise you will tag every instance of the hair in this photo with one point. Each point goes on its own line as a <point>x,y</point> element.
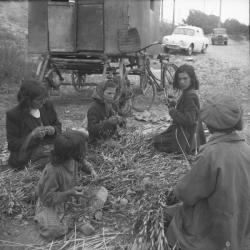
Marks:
<point>186,68</point>
<point>30,90</point>
<point>238,126</point>
<point>110,84</point>
<point>69,145</point>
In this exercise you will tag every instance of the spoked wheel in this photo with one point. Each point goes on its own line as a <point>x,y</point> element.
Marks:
<point>169,70</point>
<point>143,89</point>
<point>78,80</point>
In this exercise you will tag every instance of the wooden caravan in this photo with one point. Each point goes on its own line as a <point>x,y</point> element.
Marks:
<point>91,30</point>
<point>101,26</point>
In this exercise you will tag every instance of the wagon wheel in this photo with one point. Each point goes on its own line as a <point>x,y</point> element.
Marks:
<point>169,70</point>
<point>143,89</point>
<point>78,80</point>
<point>53,79</point>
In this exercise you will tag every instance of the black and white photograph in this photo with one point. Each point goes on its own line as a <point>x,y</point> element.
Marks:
<point>124,125</point>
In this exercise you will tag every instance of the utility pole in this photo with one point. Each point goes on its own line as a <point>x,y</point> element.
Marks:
<point>204,6</point>
<point>161,11</point>
<point>173,16</point>
<point>219,24</point>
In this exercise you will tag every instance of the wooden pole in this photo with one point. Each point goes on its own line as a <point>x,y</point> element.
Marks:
<point>173,23</point>
<point>161,11</point>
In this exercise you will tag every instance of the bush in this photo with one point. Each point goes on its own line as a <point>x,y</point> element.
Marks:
<point>208,22</point>
<point>236,29</point>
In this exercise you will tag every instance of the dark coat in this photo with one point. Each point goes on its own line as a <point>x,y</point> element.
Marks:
<point>186,124</point>
<point>19,124</point>
<point>98,124</point>
<point>215,195</point>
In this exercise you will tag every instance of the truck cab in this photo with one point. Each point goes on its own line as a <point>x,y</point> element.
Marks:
<point>219,36</point>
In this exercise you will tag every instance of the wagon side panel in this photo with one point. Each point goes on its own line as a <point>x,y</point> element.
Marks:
<point>37,26</point>
<point>144,15</point>
<point>90,25</point>
<point>116,18</point>
<point>61,19</point>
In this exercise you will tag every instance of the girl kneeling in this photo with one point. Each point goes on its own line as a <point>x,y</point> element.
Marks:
<point>179,137</point>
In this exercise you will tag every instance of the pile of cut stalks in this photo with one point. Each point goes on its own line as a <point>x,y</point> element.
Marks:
<point>139,181</point>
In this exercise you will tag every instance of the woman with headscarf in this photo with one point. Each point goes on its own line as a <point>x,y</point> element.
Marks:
<point>179,137</point>
<point>31,126</point>
<point>103,115</point>
<point>215,194</point>
<point>59,183</point>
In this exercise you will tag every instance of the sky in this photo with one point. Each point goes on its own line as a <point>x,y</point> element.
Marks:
<point>237,9</point>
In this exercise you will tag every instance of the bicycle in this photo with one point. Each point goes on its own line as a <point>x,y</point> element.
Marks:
<point>143,96</point>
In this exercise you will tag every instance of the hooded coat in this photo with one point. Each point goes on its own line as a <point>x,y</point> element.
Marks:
<point>215,196</point>
<point>185,124</point>
<point>99,127</point>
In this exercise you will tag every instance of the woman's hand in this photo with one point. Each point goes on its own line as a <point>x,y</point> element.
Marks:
<point>172,101</point>
<point>49,130</point>
<point>38,132</point>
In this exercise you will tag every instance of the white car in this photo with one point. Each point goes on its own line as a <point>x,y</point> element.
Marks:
<point>186,38</point>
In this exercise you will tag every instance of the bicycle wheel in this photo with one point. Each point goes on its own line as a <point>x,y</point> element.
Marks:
<point>169,70</point>
<point>143,90</point>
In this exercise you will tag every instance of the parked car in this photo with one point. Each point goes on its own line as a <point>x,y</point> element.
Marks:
<point>219,36</point>
<point>186,38</point>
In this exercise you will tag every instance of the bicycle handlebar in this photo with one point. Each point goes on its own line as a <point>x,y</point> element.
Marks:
<point>144,48</point>
<point>148,46</point>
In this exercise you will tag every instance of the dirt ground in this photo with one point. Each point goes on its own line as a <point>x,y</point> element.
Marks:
<point>223,69</point>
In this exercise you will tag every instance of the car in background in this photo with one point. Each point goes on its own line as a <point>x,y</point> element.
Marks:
<point>219,36</point>
<point>186,38</point>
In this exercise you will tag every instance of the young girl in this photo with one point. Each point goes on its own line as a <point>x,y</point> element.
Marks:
<point>58,183</point>
<point>179,137</point>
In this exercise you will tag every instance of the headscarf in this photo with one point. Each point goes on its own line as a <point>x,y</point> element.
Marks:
<point>221,112</point>
<point>99,93</point>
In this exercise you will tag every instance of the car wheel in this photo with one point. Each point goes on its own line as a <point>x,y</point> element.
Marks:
<point>190,50</point>
<point>225,43</point>
<point>204,49</point>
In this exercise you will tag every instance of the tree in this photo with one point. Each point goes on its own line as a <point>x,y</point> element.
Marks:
<point>202,20</point>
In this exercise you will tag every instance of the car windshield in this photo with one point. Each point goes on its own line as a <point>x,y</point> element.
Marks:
<point>184,31</point>
<point>219,31</point>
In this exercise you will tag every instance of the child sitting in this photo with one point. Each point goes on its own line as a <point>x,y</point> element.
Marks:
<point>58,183</point>
<point>103,118</point>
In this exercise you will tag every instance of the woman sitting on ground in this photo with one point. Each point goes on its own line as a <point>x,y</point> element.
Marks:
<point>215,213</point>
<point>103,117</point>
<point>58,183</point>
<point>186,133</point>
<point>31,126</point>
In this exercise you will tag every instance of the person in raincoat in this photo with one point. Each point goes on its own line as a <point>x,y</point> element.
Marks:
<point>186,133</point>
<point>215,194</point>
<point>31,126</point>
<point>58,184</point>
<point>103,115</point>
